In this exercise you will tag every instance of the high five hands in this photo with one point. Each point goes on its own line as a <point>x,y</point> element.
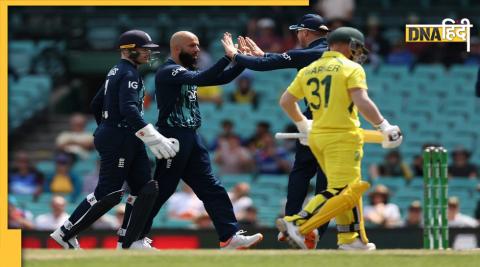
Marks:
<point>244,46</point>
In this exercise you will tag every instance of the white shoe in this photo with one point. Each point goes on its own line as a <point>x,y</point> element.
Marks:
<point>72,243</point>
<point>291,232</point>
<point>311,239</point>
<point>357,245</point>
<point>240,241</point>
<point>145,243</point>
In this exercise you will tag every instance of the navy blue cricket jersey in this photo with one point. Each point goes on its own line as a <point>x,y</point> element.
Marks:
<point>295,58</point>
<point>119,102</point>
<point>176,91</point>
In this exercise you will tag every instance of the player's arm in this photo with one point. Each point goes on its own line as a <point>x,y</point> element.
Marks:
<point>261,61</point>
<point>97,104</point>
<point>289,99</point>
<point>288,102</point>
<point>357,88</point>
<point>273,61</point>
<point>365,105</point>
<point>228,75</point>
<point>214,75</point>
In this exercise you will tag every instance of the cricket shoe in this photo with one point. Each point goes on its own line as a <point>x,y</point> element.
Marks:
<point>144,243</point>
<point>72,243</point>
<point>281,237</point>
<point>292,233</point>
<point>240,241</point>
<point>357,245</point>
<point>311,239</point>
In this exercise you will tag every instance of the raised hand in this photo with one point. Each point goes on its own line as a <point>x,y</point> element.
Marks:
<point>227,42</point>
<point>256,51</point>
<point>243,47</point>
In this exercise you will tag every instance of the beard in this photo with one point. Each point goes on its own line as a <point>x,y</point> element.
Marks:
<point>187,60</point>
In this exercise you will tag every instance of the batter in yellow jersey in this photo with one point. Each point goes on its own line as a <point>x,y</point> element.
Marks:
<point>335,88</point>
<point>324,84</point>
<point>335,133</point>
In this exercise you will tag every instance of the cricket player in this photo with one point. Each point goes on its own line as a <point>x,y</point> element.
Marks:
<point>335,88</point>
<point>311,33</point>
<point>119,139</point>
<point>179,117</point>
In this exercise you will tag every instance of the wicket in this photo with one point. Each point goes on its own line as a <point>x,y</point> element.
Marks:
<point>435,197</point>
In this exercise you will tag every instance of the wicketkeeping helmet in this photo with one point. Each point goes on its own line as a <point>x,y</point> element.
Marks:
<point>137,39</point>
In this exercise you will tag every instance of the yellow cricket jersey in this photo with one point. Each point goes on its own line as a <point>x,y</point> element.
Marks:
<point>325,83</point>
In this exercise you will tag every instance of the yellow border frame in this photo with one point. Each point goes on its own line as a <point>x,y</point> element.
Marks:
<point>10,240</point>
<point>156,3</point>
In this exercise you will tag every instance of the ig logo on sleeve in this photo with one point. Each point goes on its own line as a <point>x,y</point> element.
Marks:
<point>132,84</point>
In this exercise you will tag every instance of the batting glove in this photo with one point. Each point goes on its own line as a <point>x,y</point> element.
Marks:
<point>304,126</point>
<point>161,147</point>
<point>392,136</point>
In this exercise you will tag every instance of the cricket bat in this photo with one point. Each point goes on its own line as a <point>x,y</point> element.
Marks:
<point>370,136</point>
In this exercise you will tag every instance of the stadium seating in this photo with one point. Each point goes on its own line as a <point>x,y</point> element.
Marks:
<point>28,93</point>
<point>31,95</point>
<point>21,54</point>
<point>102,37</point>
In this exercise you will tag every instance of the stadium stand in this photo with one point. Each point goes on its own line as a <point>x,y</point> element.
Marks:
<point>430,102</point>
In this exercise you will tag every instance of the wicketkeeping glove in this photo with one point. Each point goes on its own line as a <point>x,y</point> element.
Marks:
<point>162,147</point>
<point>392,136</point>
<point>304,126</point>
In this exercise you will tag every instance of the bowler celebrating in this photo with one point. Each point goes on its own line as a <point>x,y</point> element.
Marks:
<point>176,84</point>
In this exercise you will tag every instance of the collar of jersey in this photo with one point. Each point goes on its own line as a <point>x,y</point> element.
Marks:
<point>317,42</point>
<point>333,54</point>
<point>128,62</point>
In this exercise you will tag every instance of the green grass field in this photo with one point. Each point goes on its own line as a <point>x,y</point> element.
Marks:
<point>254,258</point>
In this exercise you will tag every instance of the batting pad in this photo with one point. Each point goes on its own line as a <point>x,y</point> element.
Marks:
<point>336,205</point>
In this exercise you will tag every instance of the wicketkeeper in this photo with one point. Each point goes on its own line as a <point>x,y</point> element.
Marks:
<point>119,139</point>
<point>179,117</point>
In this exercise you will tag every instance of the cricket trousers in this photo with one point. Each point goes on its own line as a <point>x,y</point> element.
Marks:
<point>123,157</point>
<point>304,168</point>
<point>192,165</point>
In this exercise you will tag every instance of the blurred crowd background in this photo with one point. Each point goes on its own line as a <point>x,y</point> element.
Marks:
<point>59,56</point>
